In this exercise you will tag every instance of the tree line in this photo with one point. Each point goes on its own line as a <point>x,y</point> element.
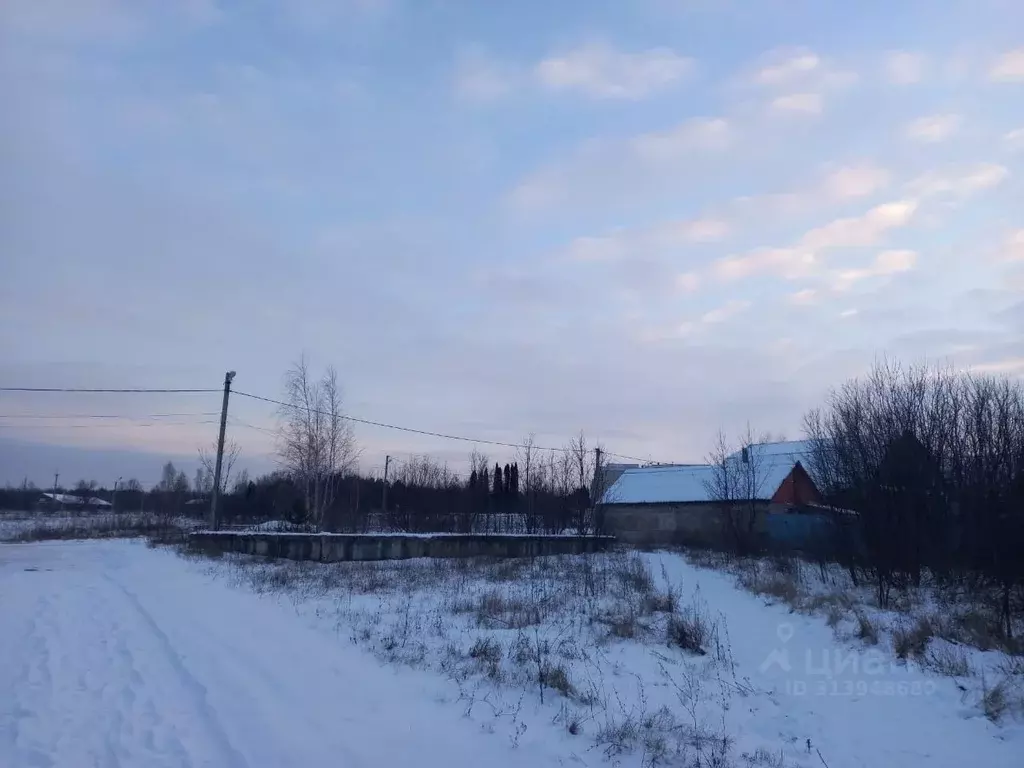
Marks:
<point>923,469</point>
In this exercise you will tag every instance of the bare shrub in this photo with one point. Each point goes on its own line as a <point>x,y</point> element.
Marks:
<point>656,733</point>
<point>556,677</point>
<point>661,602</point>
<point>487,653</point>
<point>574,725</point>
<point>995,699</point>
<point>493,608</point>
<point>762,758</point>
<point>835,605</point>
<point>834,616</point>
<point>779,580</point>
<point>623,626</point>
<point>108,527</point>
<point>634,576</point>
<point>690,631</point>
<point>912,642</point>
<point>980,628</point>
<point>950,660</point>
<point>866,630</point>
<point>486,649</point>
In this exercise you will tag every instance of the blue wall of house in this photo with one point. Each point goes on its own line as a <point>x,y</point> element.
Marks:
<point>798,531</point>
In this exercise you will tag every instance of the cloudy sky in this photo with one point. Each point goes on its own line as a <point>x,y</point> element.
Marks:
<point>647,220</point>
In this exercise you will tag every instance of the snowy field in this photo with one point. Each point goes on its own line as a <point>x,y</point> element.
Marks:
<point>16,526</point>
<point>114,654</point>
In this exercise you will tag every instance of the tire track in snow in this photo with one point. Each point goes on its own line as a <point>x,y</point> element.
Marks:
<point>31,692</point>
<point>232,758</point>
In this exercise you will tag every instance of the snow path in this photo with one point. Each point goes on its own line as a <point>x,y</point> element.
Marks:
<point>114,655</point>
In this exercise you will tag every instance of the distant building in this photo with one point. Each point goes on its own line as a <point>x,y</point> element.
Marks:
<point>665,504</point>
<point>54,502</point>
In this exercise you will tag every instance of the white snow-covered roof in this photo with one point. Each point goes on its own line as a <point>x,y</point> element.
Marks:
<point>689,483</point>
<point>67,498</point>
<point>798,450</point>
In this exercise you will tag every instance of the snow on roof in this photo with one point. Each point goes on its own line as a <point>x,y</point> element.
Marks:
<point>798,450</point>
<point>689,483</point>
<point>67,498</point>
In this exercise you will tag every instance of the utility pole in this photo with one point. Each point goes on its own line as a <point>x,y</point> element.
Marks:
<point>56,477</point>
<point>384,503</point>
<point>215,497</point>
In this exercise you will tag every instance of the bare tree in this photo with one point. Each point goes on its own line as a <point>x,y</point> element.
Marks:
<point>736,485</point>
<point>84,491</point>
<point>208,467</point>
<point>173,488</point>
<point>526,455</point>
<point>242,481</point>
<point>316,444</point>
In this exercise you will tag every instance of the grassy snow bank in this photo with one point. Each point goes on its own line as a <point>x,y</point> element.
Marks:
<point>124,525</point>
<point>642,658</point>
<point>945,631</point>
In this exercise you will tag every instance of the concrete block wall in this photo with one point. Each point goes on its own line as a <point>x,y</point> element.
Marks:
<point>333,547</point>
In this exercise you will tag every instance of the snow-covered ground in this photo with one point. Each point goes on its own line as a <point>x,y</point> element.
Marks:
<point>112,654</point>
<point>115,654</point>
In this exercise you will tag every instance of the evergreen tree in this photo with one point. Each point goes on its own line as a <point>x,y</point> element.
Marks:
<point>498,482</point>
<point>484,482</point>
<point>507,481</point>
<point>472,480</point>
<point>514,490</point>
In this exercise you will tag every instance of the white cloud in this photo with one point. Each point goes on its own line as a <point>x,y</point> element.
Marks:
<point>885,264</point>
<point>600,167</point>
<point>905,67</point>
<point>855,181</point>
<point>725,312</point>
<point>849,313</point>
<point>790,263</point>
<point>799,69</point>
<point>644,242</point>
<point>704,230</point>
<point>608,248</point>
<point>688,281</point>
<point>1013,248</point>
<point>959,185</point>
<point>601,72</point>
<point>933,128</point>
<point>1009,366</point>
<point>806,296</point>
<point>802,259</point>
<point>696,134</point>
<point>798,103</point>
<point>784,68</point>
<point>862,230</point>
<point>479,78</point>
<point>1014,139</point>
<point>1008,68</point>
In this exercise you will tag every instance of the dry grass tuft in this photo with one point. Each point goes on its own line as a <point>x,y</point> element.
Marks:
<point>866,629</point>
<point>912,642</point>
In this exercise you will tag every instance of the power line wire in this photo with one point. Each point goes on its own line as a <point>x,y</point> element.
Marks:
<point>238,423</point>
<point>101,426</point>
<point>354,419</point>
<point>111,391</point>
<point>425,432</point>
<point>136,417</point>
